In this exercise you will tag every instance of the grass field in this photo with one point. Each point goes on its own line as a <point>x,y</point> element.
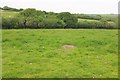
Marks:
<point>60,53</point>
<point>8,14</point>
<point>91,21</point>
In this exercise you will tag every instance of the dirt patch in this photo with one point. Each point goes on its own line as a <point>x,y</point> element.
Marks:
<point>68,46</point>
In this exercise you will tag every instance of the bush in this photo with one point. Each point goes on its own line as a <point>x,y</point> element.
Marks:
<point>36,19</point>
<point>9,23</point>
<point>69,19</point>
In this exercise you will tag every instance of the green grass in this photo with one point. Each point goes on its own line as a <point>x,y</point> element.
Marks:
<point>8,14</point>
<point>40,53</point>
<point>89,20</point>
<point>92,21</point>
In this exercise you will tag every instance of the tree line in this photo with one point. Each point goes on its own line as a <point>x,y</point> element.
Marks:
<point>6,8</point>
<point>36,19</point>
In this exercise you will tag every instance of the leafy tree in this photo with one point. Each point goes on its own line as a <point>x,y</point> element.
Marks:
<point>53,22</point>
<point>32,18</point>
<point>35,22</point>
<point>28,12</point>
<point>21,9</point>
<point>69,19</point>
<point>6,8</point>
<point>9,8</point>
<point>9,23</point>
<point>25,16</point>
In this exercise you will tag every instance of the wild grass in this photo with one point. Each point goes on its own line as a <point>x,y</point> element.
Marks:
<point>41,53</point>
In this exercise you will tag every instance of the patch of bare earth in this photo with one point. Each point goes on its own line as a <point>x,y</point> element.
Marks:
<point>68,46</point>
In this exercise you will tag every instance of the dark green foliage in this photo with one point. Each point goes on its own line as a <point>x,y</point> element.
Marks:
<point>28,12</point>
<point>53,23</point>
<point>31,18</point>
<point>21,9</point>
<point>9,23</point>
<point>36,19</point>
<point>69,19</point>
<point>96,25</point>
<point>6,8</point>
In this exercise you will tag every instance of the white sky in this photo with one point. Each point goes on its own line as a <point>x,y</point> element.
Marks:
<point>73,6</point>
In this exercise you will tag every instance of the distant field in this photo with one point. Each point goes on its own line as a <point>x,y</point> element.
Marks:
<point>60,53</point>
<point>89,20</point>
<point>8,14</point>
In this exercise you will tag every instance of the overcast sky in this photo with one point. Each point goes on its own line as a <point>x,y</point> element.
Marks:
<point>73,6</point>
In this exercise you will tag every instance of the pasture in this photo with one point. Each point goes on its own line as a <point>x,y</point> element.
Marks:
<point>60,53</point>
<point>8,14</point>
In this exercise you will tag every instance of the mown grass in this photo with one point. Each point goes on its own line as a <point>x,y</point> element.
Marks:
<point>40,53</point>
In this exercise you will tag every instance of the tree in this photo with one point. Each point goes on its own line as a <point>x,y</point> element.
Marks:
<point>104,22</point>
<point>6,8</point>
<point>53,22</point>
<point>9,8</point>
<point>69,19</point>
<point>25,15</point>
<point>35,22</point>
<point>28,12</point>
<point>21,9</point>
<point>9,23</point>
